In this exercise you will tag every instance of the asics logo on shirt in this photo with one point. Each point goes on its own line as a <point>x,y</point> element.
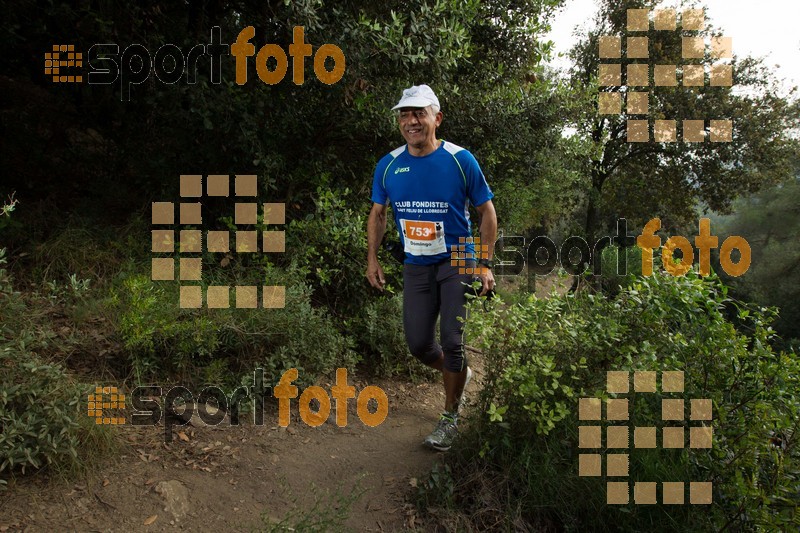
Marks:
<point>398,170</point>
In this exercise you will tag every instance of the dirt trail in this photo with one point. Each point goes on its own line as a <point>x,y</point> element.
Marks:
<point>233,478</point>
<point>232,475</point>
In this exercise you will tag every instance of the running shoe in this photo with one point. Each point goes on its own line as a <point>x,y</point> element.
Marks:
<point>444,434</point>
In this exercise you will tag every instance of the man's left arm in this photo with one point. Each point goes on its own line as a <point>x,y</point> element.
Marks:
<point>488,236</point>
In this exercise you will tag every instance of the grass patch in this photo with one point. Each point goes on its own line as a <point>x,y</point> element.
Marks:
<point>328,512</point>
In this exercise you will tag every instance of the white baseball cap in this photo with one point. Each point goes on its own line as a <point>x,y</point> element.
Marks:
<point>418,96</point>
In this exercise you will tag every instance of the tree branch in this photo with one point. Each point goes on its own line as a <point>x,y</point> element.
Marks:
<point>634,153</point>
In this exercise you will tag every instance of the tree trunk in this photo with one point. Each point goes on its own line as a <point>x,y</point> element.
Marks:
<point>592,214</point>
<point>592,217</point>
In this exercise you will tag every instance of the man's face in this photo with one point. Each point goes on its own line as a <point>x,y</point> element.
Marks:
<point>418,125</point>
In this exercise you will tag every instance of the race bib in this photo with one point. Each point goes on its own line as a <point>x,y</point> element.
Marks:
<point>423,237</point>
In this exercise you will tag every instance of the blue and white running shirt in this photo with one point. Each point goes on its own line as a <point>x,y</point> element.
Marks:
<point>430,197</point>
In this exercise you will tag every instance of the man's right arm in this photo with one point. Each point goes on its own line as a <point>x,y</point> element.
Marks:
<point>376,227</point>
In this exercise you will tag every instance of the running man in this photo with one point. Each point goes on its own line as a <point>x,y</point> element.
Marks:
<point>429,184</point>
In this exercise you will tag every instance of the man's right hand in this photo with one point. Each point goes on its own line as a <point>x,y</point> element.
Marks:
<point>375,274</point>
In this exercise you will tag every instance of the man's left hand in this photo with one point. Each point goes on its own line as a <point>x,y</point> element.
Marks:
<point>487,281</point>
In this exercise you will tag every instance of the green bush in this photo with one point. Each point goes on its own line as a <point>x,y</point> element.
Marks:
<point>304,337</point>
<point>543,355</point>
<point>380,337</point>
<point>156,333</point>
<point>325,294</point>
<point>39,412</point>
<point>162,339</point>
<point>42,418</point>
<point>379,330</point>
<point>330,247</point>
<point>329,251</point>
<point>612,280</point>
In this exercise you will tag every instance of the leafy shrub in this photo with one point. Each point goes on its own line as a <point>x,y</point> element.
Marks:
<point>329,250</point>
<point>542,355</point>
<point>302,336</point>
<point>330,247</point>
<point>378,330</point>
<point>612,279</point>
<point>39,409</point>
<point>41,418</point>
<point>161,337</point>
<point>156,333</point>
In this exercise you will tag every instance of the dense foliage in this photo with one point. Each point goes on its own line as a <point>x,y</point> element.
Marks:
<point>542,355</point>
<point>108,156</point>
<point>86,163</point>
<point>770,220</point>
<point>42,410</point>
<point>639,181</point>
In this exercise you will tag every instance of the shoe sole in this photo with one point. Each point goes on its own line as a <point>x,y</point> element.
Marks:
<point>436,447</point>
